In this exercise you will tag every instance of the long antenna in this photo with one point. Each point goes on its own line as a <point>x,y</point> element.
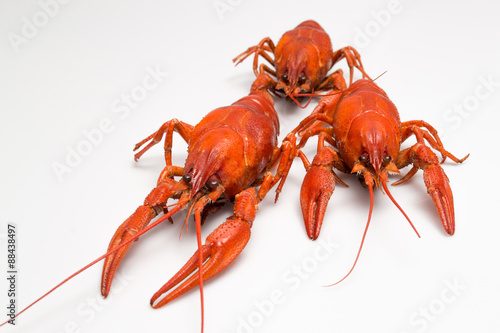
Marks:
<point>370,187</point>
<point>107,254</point>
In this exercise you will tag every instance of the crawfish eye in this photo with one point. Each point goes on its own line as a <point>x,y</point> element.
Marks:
<point>364,158</point>
<point>387,159</point>
<point>186,178</point>
<point>212,185</point>
<point>284,78</point>
<point>302,79</point>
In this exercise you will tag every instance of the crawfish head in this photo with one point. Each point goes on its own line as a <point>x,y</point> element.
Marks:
<point>303,58</point>
<point>214,164</point>
<point>371,147</point>
<point>300,69</point>
<point>293,74</point>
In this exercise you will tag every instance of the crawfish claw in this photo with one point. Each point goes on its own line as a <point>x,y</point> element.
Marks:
<point>436,181</point>
<point>222,246</point>
<point>316,190</point>
<point>136,222</point>
<point>438,187</point>
<point>315,193</point>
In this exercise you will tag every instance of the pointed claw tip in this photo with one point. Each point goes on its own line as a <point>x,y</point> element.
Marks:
<point>463,159</point>
<point>449,227</point>
<point>309,233</point>
<point>161,298</point>
<point>154,303</point>
<point>313,228</point>
<point>104,289</point>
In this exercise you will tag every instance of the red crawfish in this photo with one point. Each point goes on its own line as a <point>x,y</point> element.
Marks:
<point>230,152</point>
<point>359,132</point>
<point>301,60</point>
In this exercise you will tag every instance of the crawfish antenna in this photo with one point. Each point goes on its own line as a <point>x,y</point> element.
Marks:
<point>384,184</point>
<point>200,267</point>
<point>369,182</point>
<point>378,77</point>
<point>312,94</point>
<point>298,103</point>
<point>107,254</point>
<point>308,101</point>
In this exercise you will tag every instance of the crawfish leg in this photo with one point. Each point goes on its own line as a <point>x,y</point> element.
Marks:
<point>311,125</point>
<point>221,247</point>
<point>436,181</point>
<point>353,60</point>
<point>258,50</point>
<point>414,127</point>
<point>153,205</point>
<point>265,69</point>
<point>287,153</point>
<point>168,129</point>
<point>334,81</point>
<point>320,116</point>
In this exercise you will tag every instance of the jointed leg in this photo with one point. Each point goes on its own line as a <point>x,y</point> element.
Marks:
<point>265,45</point>
<point>414,127</point>
<point>168,129</point>
<point>353,60</point>
<point>334,81</point>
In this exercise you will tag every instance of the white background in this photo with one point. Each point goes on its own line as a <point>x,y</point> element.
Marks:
<point>70,73</point>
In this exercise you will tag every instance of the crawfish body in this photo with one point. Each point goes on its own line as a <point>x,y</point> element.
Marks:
<point>233,144</point>
<point>360,133</point>
<point>230,153</point>
<point>302,59</point>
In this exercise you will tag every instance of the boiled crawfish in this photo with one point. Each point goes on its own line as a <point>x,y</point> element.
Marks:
<point>230,152</point>
<point>302,59</point>
<point>359,131</point>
